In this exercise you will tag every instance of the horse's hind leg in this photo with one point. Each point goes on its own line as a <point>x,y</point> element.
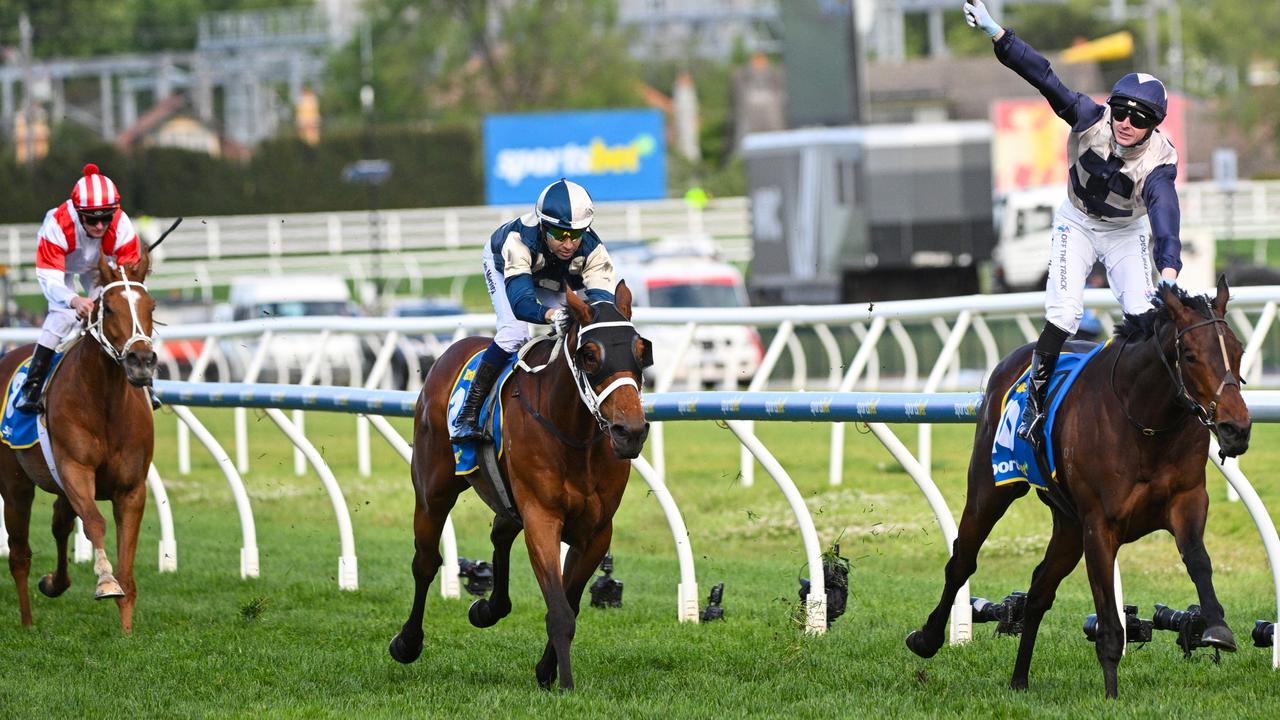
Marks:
<point>1187,519</point>
<point>128,508</point>
<point>1100,558</point>
<point>429,516</point>
<point>64,522</point>
<point>983,508</point>
<point>17,520</point>
<point>578,568</point>
<point>487,612</point>
<point>1060,558</point>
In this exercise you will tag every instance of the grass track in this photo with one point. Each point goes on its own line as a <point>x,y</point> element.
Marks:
<point>313,651</point>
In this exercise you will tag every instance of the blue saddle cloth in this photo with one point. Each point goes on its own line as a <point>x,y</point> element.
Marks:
<point>1012,458</point>
<point>18,430</point>
<point>466,455</point>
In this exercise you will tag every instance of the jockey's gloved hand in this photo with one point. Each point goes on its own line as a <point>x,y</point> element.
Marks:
<point>560,321</point>
<point>1168,281</point>
<point>975,13</point>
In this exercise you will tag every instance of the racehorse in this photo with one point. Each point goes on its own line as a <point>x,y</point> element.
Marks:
<point>100,428</point>
<point>1130,442</point>
<point>565,480</point>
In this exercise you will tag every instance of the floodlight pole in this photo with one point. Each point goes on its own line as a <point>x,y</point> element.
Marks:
<point>366,107</point>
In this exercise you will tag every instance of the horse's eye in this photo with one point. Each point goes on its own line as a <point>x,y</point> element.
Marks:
<point>1191,359</point>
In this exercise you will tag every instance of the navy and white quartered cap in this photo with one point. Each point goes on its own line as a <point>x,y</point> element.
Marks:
<point>565,204</point>
<point>1142,90</point>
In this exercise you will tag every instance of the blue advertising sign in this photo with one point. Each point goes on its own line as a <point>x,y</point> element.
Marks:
<point>614,154</point>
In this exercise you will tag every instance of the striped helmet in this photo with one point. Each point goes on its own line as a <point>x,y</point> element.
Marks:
<point>1144,91</point>
<point>566,205</point>
<point>94,191</point>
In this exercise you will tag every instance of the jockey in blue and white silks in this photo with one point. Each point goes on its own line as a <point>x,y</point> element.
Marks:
<point>1121,207</point>
<point>529,264</point>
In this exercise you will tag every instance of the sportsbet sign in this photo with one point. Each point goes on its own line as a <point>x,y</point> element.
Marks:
<point>614,154</point>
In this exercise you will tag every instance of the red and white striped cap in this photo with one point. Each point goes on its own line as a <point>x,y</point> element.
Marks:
<point>94,191</point>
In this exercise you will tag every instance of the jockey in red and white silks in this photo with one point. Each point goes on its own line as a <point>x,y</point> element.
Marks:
<point>1121,208</point>
<point>71,239</point>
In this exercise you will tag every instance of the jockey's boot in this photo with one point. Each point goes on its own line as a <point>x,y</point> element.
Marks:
<point>29,402</point>
<point>469,429</point>
<point>1031,428</point>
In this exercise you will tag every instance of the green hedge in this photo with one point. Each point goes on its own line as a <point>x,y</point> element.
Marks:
<point>431,168</point>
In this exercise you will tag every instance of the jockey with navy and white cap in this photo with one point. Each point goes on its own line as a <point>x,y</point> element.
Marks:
<point>72,237</point>
<point>529,264</point>
<point>1121,202</point>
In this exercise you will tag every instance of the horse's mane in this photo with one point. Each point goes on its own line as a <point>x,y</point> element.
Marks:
<point>1143,326</point>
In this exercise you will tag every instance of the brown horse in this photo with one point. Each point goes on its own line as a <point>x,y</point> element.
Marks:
<point>1130,442</point>
<point>100,427</point>
<point>565,481</point>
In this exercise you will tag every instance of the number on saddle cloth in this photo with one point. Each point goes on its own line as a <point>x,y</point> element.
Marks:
<point>1012,458</point>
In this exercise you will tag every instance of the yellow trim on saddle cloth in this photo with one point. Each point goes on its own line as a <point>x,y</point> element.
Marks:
<point>4,402</point>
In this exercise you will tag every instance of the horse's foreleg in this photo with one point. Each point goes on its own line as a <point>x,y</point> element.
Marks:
<point>1187,520</point>
<point>579,565</point>
<point>1060,558</point>
<point>79,483</point>
<point>1100,546</point>
<point>487,612</point>
<point>428,524</point>
<point>17,520</point>
<point>128,508</point>
<point>64,522</point>
<point>983,507</point>
<point>542,537</point>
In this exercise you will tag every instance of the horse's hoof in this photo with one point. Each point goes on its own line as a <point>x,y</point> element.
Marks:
<point>48,589</point>
<point>481,614</point>
<point>1019,684</point>
<point>108,588</point>
<point>917,643</point>
<point>1220,637</point>
<point>402,651</point>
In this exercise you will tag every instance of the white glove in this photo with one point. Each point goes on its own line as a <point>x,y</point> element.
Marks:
<point>560,321</point>
<point>975,13</point>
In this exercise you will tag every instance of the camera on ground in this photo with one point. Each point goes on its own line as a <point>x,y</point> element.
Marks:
<point>478,574</point>
<point>713,611</point>
<point>1007,614</point>
<point>606,592</point>
<point>1136,630</point>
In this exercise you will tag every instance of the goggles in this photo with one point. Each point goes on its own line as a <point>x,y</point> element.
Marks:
<point>1138,118</point>
<point>95,217</point>
<point>562,234</point>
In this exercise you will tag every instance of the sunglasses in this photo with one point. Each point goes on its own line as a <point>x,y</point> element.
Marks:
<point>563,233</point>
<point>1136,118</point>
<point>96,218</point>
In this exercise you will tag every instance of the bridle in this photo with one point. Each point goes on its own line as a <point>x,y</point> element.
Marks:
<point>1207,416</point>
<point>98,313</point>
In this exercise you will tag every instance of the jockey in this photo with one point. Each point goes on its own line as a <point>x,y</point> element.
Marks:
<point>1121,202</point>
<point>529,265</point>
<point>72,237</point>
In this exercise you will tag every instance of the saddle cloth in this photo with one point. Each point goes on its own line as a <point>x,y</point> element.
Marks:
<point>1012,458</point>
<point>466,456</point>
<point>18,430</point>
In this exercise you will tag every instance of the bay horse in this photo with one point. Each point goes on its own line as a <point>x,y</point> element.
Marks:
<point>1130,443</point>
<point>102,436</point>
<point>565,480</point>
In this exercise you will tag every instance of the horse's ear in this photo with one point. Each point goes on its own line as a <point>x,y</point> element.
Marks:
<point>1169,296</point>
<point>580,311</point>
<point>104,269</point>
<point>138,270</point>
<point>1224,294</point>
<point>622,299</point>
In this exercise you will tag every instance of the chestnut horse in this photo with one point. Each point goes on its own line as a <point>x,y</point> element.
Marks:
<point>99,423</point>
<point>1130,442</point>
<point>566,481</point>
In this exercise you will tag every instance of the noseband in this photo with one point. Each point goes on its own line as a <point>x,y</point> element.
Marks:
<point>100,310</point>
<point>1207,416</point>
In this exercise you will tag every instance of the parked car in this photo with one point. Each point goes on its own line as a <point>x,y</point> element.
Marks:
<point>723,355</point>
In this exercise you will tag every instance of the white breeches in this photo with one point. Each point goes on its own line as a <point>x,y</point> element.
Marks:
<point>57,325</point>
<point>1078,242</point>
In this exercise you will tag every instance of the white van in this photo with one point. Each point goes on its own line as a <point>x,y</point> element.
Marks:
<point>723,355</point>
<point>292,296</point>
<point>1024,221</point>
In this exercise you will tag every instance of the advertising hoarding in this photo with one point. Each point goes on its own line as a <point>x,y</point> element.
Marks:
<point>614,154</point>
